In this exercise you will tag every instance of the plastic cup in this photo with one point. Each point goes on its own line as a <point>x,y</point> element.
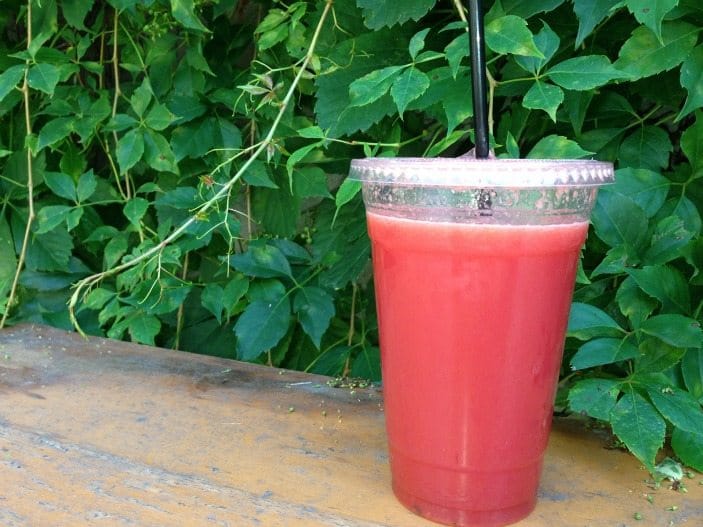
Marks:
<point>474,268</point>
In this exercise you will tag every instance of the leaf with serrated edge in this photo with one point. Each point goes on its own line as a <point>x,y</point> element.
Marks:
<point>262,325</point>
<point>590,13</point>
<point>679,407</point>
<point>594,397</point>
<point>373,86</point>
<point>639,426</point>
<point>651,12</point>
<point>587,321</point>
<point>583,73</point>
<point>689,447</point>
<point>642,55</point>
<point>544,96</point>
<point>557,147</point>
<point>675,330</point>
<point>509,34</point>
<point>410,85</point>
<point>315,309</point>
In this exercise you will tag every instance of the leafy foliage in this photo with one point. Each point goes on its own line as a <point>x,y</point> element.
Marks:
<point>131,128</point>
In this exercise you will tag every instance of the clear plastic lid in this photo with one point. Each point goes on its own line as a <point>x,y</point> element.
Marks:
<point>470,190</point>
<point>471,172</point>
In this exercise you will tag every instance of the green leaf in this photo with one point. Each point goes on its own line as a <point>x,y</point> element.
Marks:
<point>50,251</point>
<point>600,351</point>
<point>380,13</point>
<point>43,77</point>
<point>346,192</point>
<point>656,356</point>
<point>61,184</point>
<point>452,138</point>
<point>75,11</point>
<point>410,85</point>
<point>649,147</point>
<point>130,149</point>
<point>212,298</point>
<point>315,309</point>
<point>618,220</point>
<point>456,51</point>
<point>692,371</point>
<point>257,175</point>
<point>51,216</point>
<point>651,13</point>
<point>639,426</point>
<point>296,157</point>
<point>8,258</point>
<point>263,261</point>
<point>158,153</point>
<point>159,117</point>
<point>135,209</point>
<point>692,142</point>
<point>44,24</point>
<point>547,41</point>
<point>310,182</point>
<point>141,98</point>
<point>273,36</point>
<point>691,78</point>
<point>583,73</point>
<point>333,110</point>
<point>312,132</point>
<point>544,96</point>
<point>144,328</point>
<point>679,407</point>
<point>675,330</point>
<point>114,250</point>
<point>331,361</point>
<point>277,210</point>
<point>262,325</point>
<point>665,283</point>
<point>72,162</point>
<point>587,321</point>
<point>557,147</point>
<point>54,131</point>
<point>9,79</point>
<point>87,185</point>
<point>668,239</point>
<point>594,397</point>
<point>417,42</point>
<point>590,13</point>
<point>634,303</point>
<point>509,34</point>
<point>367,364</point>
<point>373,86</point>
<point>182,11</point>
<point>689,447</point>
<point>531,8</point>
<point>98,297</point>
<point>235,290</point>
<point>646,188</point>
<point>642,55</point>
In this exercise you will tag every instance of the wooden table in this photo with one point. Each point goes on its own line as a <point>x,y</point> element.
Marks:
<point>98,432</point>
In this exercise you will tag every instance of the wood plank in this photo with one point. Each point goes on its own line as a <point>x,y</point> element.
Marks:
<point>112,433</point>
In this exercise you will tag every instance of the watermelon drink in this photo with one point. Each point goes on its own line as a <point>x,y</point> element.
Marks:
<point>474,268</point>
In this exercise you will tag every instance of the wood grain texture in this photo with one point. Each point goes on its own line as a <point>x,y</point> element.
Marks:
<point>98,432</point>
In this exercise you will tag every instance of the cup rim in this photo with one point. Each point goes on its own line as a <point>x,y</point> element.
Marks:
<point>469,172</point>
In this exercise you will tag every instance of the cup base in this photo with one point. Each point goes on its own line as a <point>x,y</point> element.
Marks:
<point>461,517</point>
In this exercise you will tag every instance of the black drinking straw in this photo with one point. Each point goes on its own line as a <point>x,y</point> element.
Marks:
<point>478,78</point>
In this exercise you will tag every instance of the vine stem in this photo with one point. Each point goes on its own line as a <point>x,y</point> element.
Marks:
<point>30,179</point>
<point>126,194</point>
<point>91,280</point>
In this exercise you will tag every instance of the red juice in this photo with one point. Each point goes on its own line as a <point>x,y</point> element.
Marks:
<point>472,320</point>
